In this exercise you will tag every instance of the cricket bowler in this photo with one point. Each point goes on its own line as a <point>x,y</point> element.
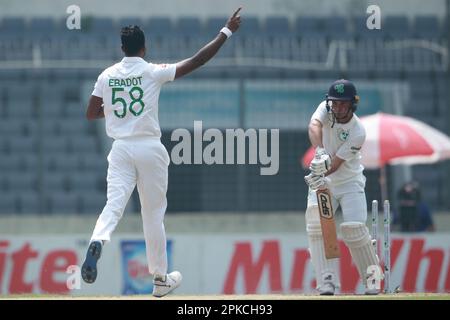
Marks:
<point>126,95</point>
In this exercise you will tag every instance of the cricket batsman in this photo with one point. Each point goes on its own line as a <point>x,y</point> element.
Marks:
<point>337,135</point>
<point>126,95</point>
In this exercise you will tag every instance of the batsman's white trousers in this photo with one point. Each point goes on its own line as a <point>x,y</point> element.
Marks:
<point>350,197</point>
<point>141,161</point>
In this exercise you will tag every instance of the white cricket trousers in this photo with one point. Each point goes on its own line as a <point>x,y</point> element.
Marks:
<point>350,197</point>
<point>352,200</point>
<point>141,161</point>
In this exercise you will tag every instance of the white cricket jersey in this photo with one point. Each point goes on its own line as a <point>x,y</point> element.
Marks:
<point>130,92</point>
<point>344,141</point>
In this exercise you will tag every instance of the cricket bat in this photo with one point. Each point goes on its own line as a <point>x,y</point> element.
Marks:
<point>328,224</point>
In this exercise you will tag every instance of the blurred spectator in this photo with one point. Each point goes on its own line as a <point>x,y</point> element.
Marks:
<point>413,214</point>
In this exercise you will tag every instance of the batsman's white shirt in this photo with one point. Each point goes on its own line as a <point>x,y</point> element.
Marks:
<point>343,140</point>
<point>130,91</point>
<point>346,183</point>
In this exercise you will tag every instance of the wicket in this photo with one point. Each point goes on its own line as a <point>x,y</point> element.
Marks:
<point>386,239</point>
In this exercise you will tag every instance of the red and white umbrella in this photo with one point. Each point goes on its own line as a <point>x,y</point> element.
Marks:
<point>392,139</point>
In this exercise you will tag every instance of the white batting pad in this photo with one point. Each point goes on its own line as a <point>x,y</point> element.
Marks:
<point>356,237</point>
<point>321,264</point>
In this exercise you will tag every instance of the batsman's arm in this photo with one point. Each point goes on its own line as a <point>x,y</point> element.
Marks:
<point>336,162</point>
<point>95,108</point>
<point>315,137</point>
<point>315,133</point>
<point>346,151</point>
<point>208,51</point>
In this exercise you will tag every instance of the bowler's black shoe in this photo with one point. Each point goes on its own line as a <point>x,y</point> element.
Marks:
<point>89,268</point>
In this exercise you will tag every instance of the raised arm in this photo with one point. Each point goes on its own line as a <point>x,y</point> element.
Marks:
<point>208,51</point>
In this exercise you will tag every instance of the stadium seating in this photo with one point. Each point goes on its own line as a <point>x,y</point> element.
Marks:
<point>397,27</point>
<point>213,25</point>
<point>41,26</point>
<point>277,26</point>
<point>307,25</point>
<point>127,21</point>
<point>62,202</point>
<point>174,39</point>
<point>93,202</point>
<point>336,27</point>
<point>426,27</point>
<point>28,203</point>
<point>159,27</point>
<point>8,203</point>
<point>52,159</point>
<point>188,27</point>
<point>13,25</point>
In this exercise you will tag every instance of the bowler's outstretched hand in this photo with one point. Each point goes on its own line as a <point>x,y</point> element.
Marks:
<point>234,21</point>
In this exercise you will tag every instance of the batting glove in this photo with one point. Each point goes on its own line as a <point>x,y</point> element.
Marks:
<point>320,152</point>
<point>314,182</point>
<point>320,166</point>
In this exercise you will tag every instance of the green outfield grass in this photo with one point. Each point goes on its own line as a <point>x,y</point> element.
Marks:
<point>397,296</point>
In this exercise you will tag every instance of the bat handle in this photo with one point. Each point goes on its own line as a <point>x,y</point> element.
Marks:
<point>322,187</point>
